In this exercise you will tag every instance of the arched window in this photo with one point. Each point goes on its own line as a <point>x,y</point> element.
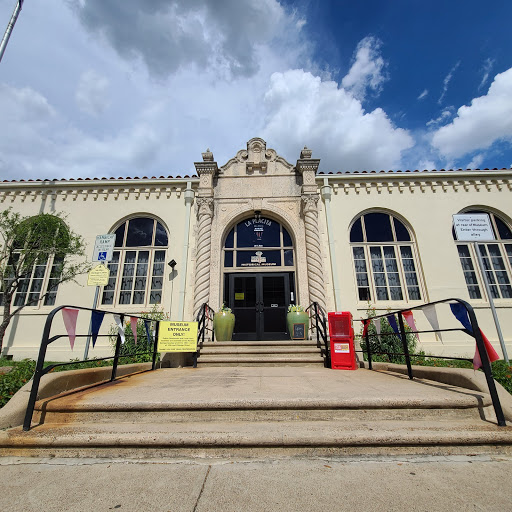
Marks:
<point>258,242</point>
<point>497,259</point>
<point>384,259</point>
<point>138,263</point>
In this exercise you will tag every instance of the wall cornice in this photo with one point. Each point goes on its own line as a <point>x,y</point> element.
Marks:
<point>420,182</point>
<point>94,190</point>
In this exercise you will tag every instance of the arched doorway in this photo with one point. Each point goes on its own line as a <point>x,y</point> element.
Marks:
<point>259,278</point>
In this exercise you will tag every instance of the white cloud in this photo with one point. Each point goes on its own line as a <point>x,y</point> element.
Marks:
<point>368,69</point>
<point>302,109</point>
<point>446,82</point>
<point>423,94</point>
<point>486,69</point>
<point>92,93</point>
<point>446,114</point>
<point>487,120</point>
<point>476,161</point>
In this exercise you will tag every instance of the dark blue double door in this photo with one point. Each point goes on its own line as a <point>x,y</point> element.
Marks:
<point>260,303</point>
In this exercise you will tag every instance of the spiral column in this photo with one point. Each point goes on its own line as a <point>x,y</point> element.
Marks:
<point>313,252</point>
<point>203,251</point>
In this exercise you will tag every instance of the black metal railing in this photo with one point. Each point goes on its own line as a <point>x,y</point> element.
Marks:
<point>318,321</point>
<point>204,319</point>
<point>475,333</point>
<point>47,340</point>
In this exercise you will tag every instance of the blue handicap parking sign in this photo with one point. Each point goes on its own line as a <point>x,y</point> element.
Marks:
<point>102,256</point>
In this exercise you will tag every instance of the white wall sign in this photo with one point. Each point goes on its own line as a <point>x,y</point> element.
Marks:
<point>104,247</point>
<point>473,227</point>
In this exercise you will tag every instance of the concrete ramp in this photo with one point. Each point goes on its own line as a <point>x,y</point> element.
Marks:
<point>261,411</point>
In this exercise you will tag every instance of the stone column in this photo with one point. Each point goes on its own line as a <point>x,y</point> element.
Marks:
<point>308,167</point>
<point>204,203</point>
<point>313,252</point>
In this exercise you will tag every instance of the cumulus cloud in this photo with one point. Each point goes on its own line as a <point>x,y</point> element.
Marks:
<point>476,161</point>
<point>476,127</point>
<point>446,82</point>
<point>367,70</point>
<point>302,109</point>
<point>92,93</point>
<point>169,35</point>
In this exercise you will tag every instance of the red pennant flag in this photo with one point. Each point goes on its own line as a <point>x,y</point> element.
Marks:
<point>133,324</point>
<point>491,353</point>
<point>410,322</point>
<point>366,323</point>
<point>69,316</point>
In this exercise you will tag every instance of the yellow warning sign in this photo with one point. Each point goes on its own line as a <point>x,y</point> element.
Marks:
<point>177,337</point>
<point>98,276</point>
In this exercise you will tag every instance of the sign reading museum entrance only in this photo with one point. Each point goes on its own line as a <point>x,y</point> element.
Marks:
<point>473,227</point>
<point>177,337</point>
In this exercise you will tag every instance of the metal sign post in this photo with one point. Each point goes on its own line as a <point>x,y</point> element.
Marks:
<point>103,252</point>
<point>476,227</point>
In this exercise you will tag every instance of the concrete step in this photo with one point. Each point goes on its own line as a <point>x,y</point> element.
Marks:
<point>214,439</point>
<point>261,350</point>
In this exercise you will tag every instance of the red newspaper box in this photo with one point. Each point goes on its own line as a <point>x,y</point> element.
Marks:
<point>341,332</point>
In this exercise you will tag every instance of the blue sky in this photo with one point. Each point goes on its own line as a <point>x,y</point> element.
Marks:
<point>136,88</point>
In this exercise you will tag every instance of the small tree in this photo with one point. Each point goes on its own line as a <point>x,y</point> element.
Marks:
<point>26,242</point>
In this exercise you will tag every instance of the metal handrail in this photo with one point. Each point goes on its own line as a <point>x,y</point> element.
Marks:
<point>486,365</point>
<point>321,331</point>
<point>203,318</point>
<point>47,340</point>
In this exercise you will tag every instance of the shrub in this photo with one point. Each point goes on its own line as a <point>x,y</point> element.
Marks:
<point>142,351</point>
<point>389,343</point>
<point>11,382</point>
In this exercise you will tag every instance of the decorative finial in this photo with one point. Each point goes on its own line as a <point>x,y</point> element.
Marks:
<point>207,156</point>
<point>306,153</point>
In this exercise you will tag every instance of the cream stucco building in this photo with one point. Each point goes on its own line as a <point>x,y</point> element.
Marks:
<point>259,233</point>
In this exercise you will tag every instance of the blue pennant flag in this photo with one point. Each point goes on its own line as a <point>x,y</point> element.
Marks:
<point>392,322</point>
<point>147,325</point>
<point>96,320</point>
<point>461,314</point>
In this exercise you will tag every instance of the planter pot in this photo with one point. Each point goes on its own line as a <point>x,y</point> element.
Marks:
<point>297,317</point>
<point>223,325</point>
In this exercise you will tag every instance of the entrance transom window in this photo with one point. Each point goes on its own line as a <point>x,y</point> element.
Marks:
<point>258,242</point>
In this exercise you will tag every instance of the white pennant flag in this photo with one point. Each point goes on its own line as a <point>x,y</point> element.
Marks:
<point>376,323</point>
<point>431,314</point>
<point>120,327</point>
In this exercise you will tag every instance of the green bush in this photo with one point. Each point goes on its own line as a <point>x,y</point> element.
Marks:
<point>137,353</point>
<point>21,373</point>
<point>390,343</point>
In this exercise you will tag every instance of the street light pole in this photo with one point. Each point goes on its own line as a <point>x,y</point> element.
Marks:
<point>10,26</point>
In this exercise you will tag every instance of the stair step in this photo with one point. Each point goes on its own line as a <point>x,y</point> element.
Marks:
<point>257,350</point>
<point>220,438</point>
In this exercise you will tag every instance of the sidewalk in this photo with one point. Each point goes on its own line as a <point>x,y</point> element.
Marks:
<point>419,483</point>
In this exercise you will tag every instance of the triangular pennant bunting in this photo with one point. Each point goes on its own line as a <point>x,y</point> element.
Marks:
<point>410,322</point>
<point>147,325</point>
<point>431,314</point>
<point>491,353</point>
<point>462,316</point>
<point>96,320</point>
<point>392,323</point>
<point>366,323</point>
<point>120,327</point>
<point>133,324</point>
<point>69,316</point>
<point>376,323</point>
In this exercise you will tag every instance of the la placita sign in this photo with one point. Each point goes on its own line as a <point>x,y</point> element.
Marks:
<point>177,337</point>
<point>473,227</point>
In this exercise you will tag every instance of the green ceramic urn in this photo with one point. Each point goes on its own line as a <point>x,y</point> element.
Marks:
<point>223,324</point>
